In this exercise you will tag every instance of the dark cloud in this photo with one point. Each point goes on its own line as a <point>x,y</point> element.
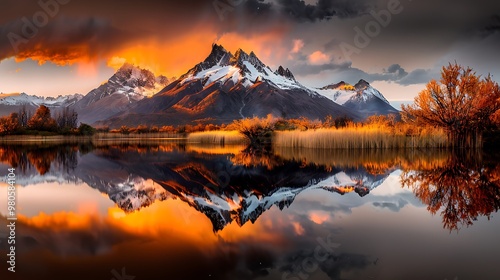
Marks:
<point>258,7</point>
<point>61,40</point>
<point>306,69</point>
<point>419,76</point>
<point>394,207</point>
<point>397,70</point>
<point>492,27</point>
<point>393,73</point>
<point>323,10</point>
<point>332,44</point>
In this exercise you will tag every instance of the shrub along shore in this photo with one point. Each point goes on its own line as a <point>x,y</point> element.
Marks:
<point>378,132</point>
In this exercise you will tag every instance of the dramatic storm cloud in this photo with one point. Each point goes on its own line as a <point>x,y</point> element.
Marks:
<point>398,42</point>
<point>63,40</point>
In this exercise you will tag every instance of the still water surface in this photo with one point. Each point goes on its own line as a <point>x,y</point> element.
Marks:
<point>174,211</point>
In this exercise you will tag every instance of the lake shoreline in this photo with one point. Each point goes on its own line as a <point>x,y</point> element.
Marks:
<point>39,139</point>
<point>314,139</point>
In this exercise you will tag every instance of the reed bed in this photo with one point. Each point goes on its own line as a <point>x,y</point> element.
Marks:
<point>216,137</point>
<point>358,138</point>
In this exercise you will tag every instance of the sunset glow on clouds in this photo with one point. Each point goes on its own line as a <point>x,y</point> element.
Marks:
<point>89,39</point>
<point>297,46</point>
<point>318,58</point>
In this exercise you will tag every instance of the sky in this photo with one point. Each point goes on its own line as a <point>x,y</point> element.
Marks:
<point>59,47</point>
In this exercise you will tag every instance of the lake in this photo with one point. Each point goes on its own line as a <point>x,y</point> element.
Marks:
<point>186,211</point>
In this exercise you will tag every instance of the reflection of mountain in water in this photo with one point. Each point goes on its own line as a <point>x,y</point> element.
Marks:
<point>237,185</point>
<point>218,185</point>
<point>355,180</point>
<point>241,186</point>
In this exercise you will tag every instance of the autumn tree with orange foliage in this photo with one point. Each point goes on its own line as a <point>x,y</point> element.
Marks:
<point>42,120</point>
<point>9,124</point>
<point>461,102</point>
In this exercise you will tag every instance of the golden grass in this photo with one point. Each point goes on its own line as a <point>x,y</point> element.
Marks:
<point>216,137</point>
<point>358,137</point>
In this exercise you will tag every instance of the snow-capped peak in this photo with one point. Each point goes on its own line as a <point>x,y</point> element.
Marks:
<point>285,73</point>
<point>222,66</point>
<point>131,81</point>
<point>363,87</point>
<point>343,92</point>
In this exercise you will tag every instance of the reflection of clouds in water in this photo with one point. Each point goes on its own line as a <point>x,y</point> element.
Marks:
<point>390,205</point>
<point>54,197</point>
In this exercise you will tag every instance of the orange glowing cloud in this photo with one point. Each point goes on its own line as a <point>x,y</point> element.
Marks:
<point>61,57</point>
<point>297,227</point>
<point>297,46</point>
<point>116,62</point>
<point>168,55</point>
<point>319,217</point>
<point>87,69</point>
<point>170,217</point>
<point>60,220</point>
<point>173,59</point>
<point>318,57</point>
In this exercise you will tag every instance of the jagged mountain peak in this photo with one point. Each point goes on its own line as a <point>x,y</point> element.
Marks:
<point>132,76</point>
<point>361,85</point>
<point>215,57</point>
<point>285,73</point>
<point>241,68</point>
<point>257,63</point>
<point>218,56</point>
<point>241,53</point>
<point>216,48</point>
<point>126,66</point>
<point>239,57</point>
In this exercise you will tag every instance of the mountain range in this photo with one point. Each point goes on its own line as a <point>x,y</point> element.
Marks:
<point>11,103</point>
<point>218,90</point>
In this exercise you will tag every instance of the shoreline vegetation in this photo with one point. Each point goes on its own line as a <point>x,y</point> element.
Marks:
<point>377,132</point>
<point>356,137</point>
<point>454,113</point>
